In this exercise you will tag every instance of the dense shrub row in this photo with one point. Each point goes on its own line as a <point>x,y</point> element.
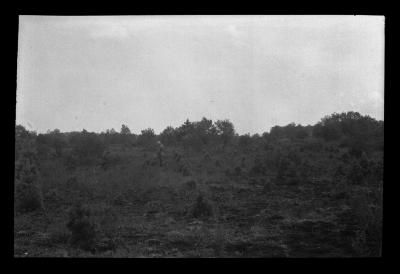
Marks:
<point>349,130</point>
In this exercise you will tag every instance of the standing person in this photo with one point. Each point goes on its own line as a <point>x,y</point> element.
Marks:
<point>160,152</point>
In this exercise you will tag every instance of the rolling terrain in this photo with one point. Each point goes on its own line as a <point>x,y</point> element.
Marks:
<point>255,196</point>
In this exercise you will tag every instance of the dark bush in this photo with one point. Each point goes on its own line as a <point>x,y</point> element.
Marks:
<point>367,210</point>
<point>82,228</point>
<point>258,167</point>
<point>191,184</point>
<point>237,171</point>
<point>288,173</point>
<point>202,208</point>
<point>28,197</point>
<point>355,174</point>
<point>27,191</point>
<point>184,169</point>
<point>355,152</point>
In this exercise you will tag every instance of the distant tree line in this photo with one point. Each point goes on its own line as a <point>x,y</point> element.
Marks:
<point>349,129</point>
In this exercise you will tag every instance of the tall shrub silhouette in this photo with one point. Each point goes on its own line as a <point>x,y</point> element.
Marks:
<point>27,192</point>
<point>82,228</point>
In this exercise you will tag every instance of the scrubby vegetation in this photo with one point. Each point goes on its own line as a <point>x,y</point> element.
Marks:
<point>296,191</point>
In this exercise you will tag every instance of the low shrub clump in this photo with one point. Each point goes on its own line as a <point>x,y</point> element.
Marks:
<point>82,228</point>
<point>28,197</point>
<point>27,192</point>
<point>202,208</point>
<point>368,216</point>
<point>191,184</point>
<point>59,234</point>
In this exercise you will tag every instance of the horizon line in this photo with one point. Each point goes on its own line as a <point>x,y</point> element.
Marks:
<point>29,127</point>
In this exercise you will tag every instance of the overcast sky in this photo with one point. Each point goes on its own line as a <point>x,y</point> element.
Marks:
<point>98,73</point>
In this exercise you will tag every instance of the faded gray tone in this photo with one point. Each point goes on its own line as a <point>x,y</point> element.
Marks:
<point>100,72</point>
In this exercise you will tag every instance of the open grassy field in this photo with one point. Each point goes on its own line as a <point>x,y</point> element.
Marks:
<point>291,200</point>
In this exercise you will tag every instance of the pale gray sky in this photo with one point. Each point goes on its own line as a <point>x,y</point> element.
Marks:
<point>154,71</point>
